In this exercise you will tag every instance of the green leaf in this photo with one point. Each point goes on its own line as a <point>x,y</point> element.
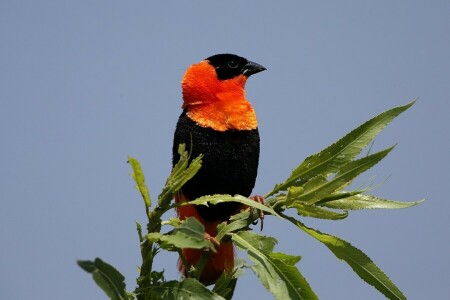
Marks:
<point>181,173</point>
<point>157,277</point>
<point>363,201</point>
<point>183,162</point>
<point>226,283</point>
<point>361,264</point>
<point>338,195</point>
<point>139,178</point>
<point>237,222</point>
<point>190,234</point>
<point>216,199</point>
<point>189,288</point>
<point>345,176</point>
<point>174,222</point>
<point>275,270</point>
<point>295,191</point>
<point>317,212</point>
<point>225,286</point>
<point>139,231</point>
<point>343,151</point>
<point>107,278</point>
<point>285,258</point>
<point>309,188</point>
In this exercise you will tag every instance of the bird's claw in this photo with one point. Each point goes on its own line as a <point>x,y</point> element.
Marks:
<point>260,200</point>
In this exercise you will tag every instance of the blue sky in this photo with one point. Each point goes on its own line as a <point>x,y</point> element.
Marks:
<point>85,84</point>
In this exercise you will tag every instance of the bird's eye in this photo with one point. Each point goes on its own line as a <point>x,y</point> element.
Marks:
<point>233,64</point>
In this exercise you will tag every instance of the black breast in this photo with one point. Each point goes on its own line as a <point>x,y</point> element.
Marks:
<point>230,164</point>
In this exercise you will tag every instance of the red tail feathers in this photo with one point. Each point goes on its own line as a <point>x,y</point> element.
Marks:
<point>222,260</point>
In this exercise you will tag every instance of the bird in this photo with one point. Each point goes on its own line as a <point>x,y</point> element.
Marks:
<point>218,122</point>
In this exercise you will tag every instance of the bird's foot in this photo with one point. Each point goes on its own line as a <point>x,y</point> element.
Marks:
<point>260,200</point>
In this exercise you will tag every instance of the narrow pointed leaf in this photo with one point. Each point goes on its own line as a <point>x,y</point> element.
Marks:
<point>107,278</point>
<point>361,264</point>
<point>308,189</point>
<point>345,175</point>
<point>190,234</point>
<point>139,178</point>
<point>317,212</point>
<point>339,195</point>
<point>225,286</point>
<point>343,151</point>
<point>181,173</point>
<point>216,199</point>
<point>237,222</point>
<point>226,283</point>
<point>285,258</point>
<point>363,201</point>
<point>183,162</point>
<point>276,273</point>
<point>175,290</point>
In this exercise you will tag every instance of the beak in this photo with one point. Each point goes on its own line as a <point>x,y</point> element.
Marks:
<point>252,68</point>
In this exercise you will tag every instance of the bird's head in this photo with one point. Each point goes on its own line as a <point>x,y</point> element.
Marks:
<point>220,77</point>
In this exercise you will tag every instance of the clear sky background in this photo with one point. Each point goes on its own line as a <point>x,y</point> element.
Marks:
<point>83,84</point>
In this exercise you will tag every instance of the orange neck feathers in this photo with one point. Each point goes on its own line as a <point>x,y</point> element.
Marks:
<point>218,104</point>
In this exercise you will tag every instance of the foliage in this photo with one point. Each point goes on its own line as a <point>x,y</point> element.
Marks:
<point>317,188</point>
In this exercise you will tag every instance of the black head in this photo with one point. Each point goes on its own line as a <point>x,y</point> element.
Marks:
<point>229,66</point>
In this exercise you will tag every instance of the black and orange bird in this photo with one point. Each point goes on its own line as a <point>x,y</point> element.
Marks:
<point>219,122</point>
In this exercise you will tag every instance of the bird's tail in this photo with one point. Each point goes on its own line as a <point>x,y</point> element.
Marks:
<point>222,260</point>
